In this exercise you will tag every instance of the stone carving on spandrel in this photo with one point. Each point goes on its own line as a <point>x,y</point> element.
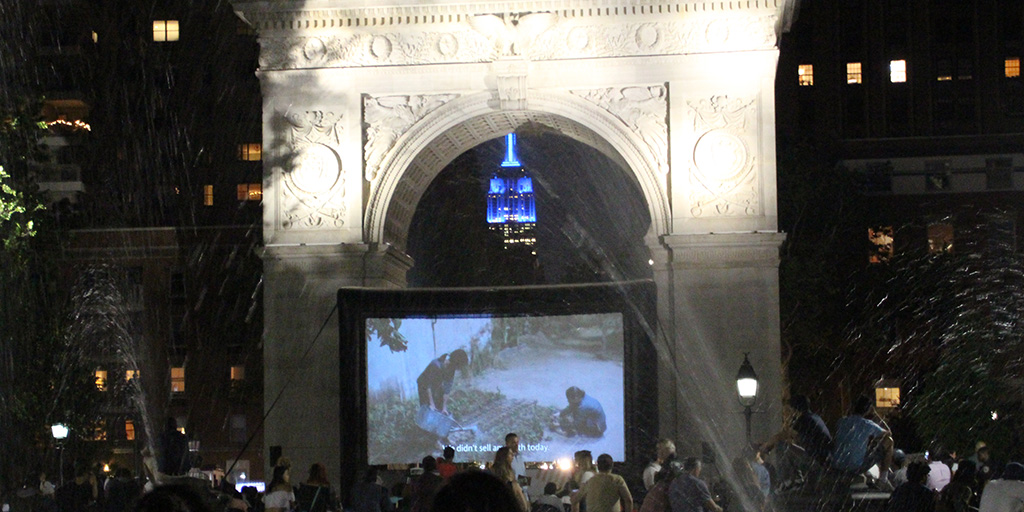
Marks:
<point>723,180</point>
<point>643,109</point>
<point>314,185</point>
<point>386,118</point>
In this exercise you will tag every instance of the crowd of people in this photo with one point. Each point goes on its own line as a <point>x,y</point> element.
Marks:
<point>804,458</point>
<point>860,454</point>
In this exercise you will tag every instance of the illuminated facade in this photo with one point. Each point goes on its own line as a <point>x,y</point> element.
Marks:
<point>511,207</point>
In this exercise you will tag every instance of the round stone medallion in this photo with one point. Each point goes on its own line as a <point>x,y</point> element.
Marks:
<point>646,37</point>
<point>577,39</point>
<point>314,49</point>
<point>315,169</point>
<point>447,45</point>
<point>720,156</point>
<point>380,47</point>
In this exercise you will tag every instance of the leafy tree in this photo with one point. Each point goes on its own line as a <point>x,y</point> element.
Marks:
<point>43,372</point>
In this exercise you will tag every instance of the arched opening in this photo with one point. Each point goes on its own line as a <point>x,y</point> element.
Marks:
<point>591,219</point>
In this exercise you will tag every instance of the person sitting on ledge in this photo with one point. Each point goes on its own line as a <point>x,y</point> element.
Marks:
<point>583,416</point>
<point>860,443</point>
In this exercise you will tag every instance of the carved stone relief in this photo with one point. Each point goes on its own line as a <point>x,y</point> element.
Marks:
<point>644,110</point>
<point>513,34</point>
<point>535,36</point>
<point>510,76</point>
<point>723,180</point>
<point>386,118</point>
<point>314,185</point>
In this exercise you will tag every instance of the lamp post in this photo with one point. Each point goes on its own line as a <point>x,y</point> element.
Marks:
<point>60,433</point>
<point>746,387</point>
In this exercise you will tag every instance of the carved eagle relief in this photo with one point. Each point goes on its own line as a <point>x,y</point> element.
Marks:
<point>512,33</point>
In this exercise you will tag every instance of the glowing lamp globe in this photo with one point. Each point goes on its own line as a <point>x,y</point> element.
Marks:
<point>746,383</point>
<point>59,431</point>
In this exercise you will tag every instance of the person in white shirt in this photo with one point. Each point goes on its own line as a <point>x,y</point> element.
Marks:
<point>940,474</point>
<point>663,450</point>
<point>518,464</point>
<point>1005,494</point>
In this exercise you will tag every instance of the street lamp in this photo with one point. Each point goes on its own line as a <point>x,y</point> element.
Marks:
<point>746,387</point>
<point>60,433</point>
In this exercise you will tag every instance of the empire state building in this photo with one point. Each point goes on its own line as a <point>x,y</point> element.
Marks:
<point>511,208</point>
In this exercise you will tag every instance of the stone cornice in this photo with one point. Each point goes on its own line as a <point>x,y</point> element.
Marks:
<point>339,37</point>
<point>286,14</point>
<point>724,250</point>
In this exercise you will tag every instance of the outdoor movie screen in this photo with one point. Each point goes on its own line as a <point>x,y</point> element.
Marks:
<point>466,381</point>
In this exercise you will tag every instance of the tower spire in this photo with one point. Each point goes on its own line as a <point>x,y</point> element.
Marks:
<point>511,159</point>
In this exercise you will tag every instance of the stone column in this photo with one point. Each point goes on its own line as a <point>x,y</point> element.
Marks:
<point>300,341</point>
<point>721,300</point>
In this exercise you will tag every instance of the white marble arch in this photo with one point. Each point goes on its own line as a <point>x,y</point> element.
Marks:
<point>465,122</point>
<point>365,103</point>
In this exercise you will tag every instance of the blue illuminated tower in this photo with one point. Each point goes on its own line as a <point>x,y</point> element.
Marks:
<point>511,208</point>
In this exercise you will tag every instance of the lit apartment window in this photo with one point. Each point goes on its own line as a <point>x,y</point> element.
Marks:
<point>1011,67</point>
<point>940,238</point>
<point>178,379</point>
<point>898,71</point>
<point>101,380</point>
<point>165,30</point>
<point>252,152</point>
<point>131,374</point>
<point>129,430</point>
<point>100,432</point>
<point>237,373</point>
<point>854,74</point>
<point>805,74</point>
<point>250,192</point>
<point>207,195</point>
<point>881,241</point>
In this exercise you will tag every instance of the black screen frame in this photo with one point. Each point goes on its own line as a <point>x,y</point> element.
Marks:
<point>634,300</point>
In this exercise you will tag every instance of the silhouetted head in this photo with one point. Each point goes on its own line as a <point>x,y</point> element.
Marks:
<point>800,403</point>
<point>317,474</point>
<point>429,463</point>
<point>458,358</point>
<point>281,477</point>
<point>171,498</point>
<point>917,472</point>
<point>605,463</point>
<point>449,453</point>
<point>584,460</point>
<point>1013,471</point>
<point>691,465</point>
<point>664,449</point>
<point>574,395</point>
<point>475,491</point>
<point>862,405</point>
<point>550,488</point>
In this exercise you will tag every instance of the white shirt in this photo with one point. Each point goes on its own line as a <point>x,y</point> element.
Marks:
<point>279,499</point>
<point>1002,496</point>
<point>939,475</point>
<point>649,472</point>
